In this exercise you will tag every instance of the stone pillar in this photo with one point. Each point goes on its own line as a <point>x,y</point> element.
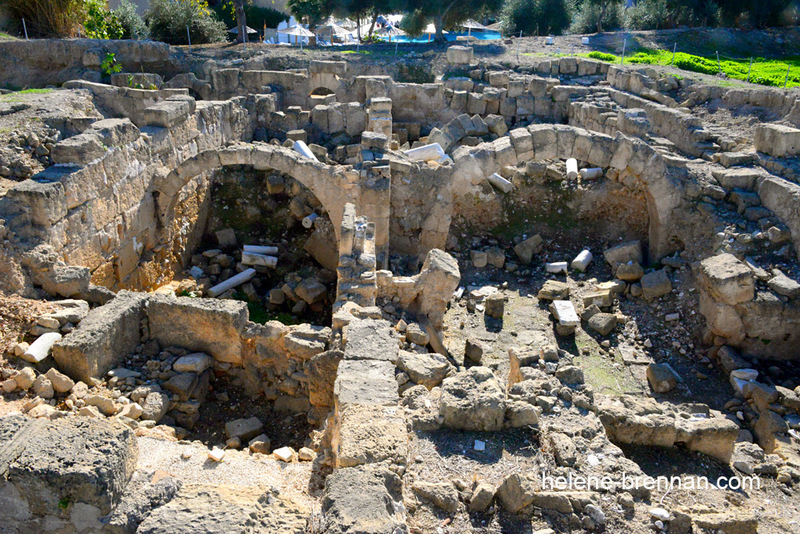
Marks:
<point>357,280</point>
<point>379,118</point>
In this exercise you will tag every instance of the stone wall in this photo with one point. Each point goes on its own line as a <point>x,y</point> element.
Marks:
<point>99,205</point>
<point>55,61</point>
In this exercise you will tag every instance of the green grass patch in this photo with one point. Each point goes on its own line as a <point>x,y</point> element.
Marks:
<point>770,72</point>
<point>7,37</point>
<point>14,97</point>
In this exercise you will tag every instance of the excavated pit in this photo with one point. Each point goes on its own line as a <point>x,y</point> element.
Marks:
<point>433,338</point>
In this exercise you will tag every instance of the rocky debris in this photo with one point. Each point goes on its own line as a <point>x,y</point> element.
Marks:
<point>260,444</point>
<point>662,377</point>
<point>61,383</point>
<point>516,492</point>
<point>495,305</point>
<point>244,429</point>
<point>442,495</point>
<point>196,362</point>
<point>428,369</point>
<point>553,290</point>
<point>42,387</point>
<point>783,285</point>
<point>482,497</point>
<point>655,284</point>
<point>415,334</point>
<point>528,247</point>
<point>630,272</point>
<point>603,323</point>
<point>630,252</point>
<point>564,313</point>
<point>472,400</point>
<point>475,349</point>
<point>285,454</point>
<point>155,407</point>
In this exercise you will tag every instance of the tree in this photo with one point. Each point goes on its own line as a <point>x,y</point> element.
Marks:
<point>366,8</point>
<point>451,12</point>
<point>313,11</point>
<point>535,17</point>
<point>603,5</point>
<point>241,21</point>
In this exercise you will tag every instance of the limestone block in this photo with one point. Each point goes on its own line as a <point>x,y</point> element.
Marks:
<point>106,334</point>
<point>727,279</point>
<point>460,55</point>
<point>662,377</point>
<point>777,140</point>
<point>371,339</point>
<point>64,455</point>
<point>624,253</point>
<point>376,507</point>
<point>366,382</point>
<point>211,326</point>
<point>166,114</point>
<point>79,149</point>
<point>370,434</point>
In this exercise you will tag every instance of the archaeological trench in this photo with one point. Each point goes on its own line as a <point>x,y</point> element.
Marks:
<point>316,296</point>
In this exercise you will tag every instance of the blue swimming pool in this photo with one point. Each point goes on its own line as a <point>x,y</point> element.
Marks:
<point>452,36</point>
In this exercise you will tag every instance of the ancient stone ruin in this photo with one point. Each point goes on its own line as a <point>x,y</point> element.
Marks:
<point>283,294</point>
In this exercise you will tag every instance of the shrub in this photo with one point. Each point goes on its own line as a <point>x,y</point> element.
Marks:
<point>602,56</point>
<point>585,20</point>
<point>133,27</point>
<point>47,18</point>
<point>535,17</point>
<point>168,20</point>
<point>100,23</point>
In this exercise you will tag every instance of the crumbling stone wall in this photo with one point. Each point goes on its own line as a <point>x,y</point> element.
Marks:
<point>55,61</point>
<point>99,207</point>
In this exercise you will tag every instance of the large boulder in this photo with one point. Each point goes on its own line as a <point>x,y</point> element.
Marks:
<point>67,469</point>
<point>473,400</point>
<point>427,369</point>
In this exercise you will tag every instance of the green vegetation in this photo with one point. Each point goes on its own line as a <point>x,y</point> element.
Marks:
<point>6,37</point>
<point>602,56</point>
<point>169,19</point>
<point>109,65</point>
<point>256,16</point>
<point>770,72</point>
<point>30,92</point>
<point>259,314</point>
<point>100,23</point>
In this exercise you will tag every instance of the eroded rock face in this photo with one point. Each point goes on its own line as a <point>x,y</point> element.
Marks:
<point>376,508</point>
<point>642,421</point>
<point>223,509</point>
<point>473,400</point>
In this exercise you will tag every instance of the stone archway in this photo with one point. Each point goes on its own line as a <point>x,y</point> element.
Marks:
<point>547,141</point>
<point>334,186</point>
